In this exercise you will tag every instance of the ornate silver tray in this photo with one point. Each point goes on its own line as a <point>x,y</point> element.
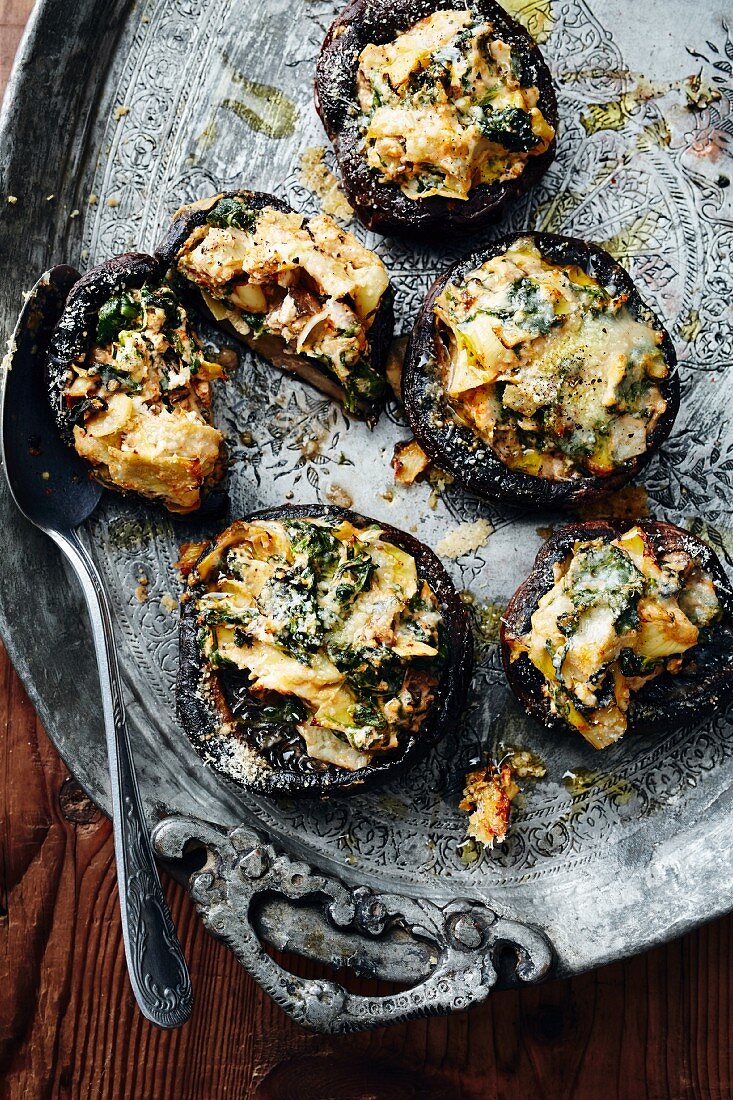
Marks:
<point>150,104</point>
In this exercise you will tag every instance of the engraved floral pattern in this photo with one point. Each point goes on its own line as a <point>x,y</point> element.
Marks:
<point>647,190</point>
<point>241,866</point>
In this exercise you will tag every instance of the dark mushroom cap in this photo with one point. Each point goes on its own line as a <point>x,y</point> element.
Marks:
<point>193,215</point>
<point>666,700</point>
<point>202,693</point>
<point>382,206</point>
<point>459,449</point>
<point>190,217</point>
<point>76,330</point>
<point>74,336</point>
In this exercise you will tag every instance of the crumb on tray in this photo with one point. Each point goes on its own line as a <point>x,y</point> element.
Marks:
<point>487,798</point>
<point>409,461</point>
<point>321,180</point>
<point>526,764</point>
<point>340,497</point>
<point>464,539</point>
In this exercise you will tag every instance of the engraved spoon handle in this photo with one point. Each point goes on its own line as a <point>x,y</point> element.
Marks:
<point>158,972</point>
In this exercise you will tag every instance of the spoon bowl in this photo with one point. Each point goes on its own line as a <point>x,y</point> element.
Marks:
<point>49,481</point>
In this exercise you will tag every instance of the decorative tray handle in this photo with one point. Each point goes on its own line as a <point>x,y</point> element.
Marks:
<point>241,867</point>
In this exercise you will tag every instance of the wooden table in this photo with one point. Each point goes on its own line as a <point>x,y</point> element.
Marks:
<point>660,1025</point>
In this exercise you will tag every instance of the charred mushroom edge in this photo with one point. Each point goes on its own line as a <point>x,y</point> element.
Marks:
<point>665,701</point>
<point>203,710</point>
<point>73,338</point>
<point>382,206</point>
<point>190,217</point>
<point>457,448</point>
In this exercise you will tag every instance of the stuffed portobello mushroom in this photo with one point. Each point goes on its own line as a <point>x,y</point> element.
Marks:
<point>302,292</point>
<point>130,386</point>
<point>620,628</point>
<point>320,651</point>
<point>439,111</point>
<point>536,374</point>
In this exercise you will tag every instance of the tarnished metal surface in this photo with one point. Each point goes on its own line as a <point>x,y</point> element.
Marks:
<point>162,101</point>
<point>241,867</point>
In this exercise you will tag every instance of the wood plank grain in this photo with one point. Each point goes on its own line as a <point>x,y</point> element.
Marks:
<point>653,1027</point>
<point>13,18</point>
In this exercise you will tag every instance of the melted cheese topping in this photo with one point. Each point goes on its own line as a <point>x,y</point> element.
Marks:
<point>445,108</point>
<point>616,617</point>
<point>548,367</point>
<point>306,282</point>
<point>142,400</point>
<point>330,621</point>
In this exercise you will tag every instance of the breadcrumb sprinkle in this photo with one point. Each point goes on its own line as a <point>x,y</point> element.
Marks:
<point>464,539</point>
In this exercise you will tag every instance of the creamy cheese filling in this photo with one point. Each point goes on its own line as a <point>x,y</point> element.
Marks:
<point>617,616</point>
<point>305,282</point>
<point>141,400</point>
<point>550,368</point>
<point>332,625</point>
<point>445,107</point>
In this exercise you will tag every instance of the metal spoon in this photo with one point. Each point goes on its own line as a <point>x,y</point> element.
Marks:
<point>57,503</point>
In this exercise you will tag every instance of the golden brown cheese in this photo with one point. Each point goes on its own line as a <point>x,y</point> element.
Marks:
<point>551,369</point>
<point>444,108</point>
<point>147,392</point>
<point>332,620</point>
<point>409,461</point>
<point>616,617</point>
<point>304,281</point>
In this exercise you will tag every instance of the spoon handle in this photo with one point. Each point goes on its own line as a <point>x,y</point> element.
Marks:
<point>155,962</point>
